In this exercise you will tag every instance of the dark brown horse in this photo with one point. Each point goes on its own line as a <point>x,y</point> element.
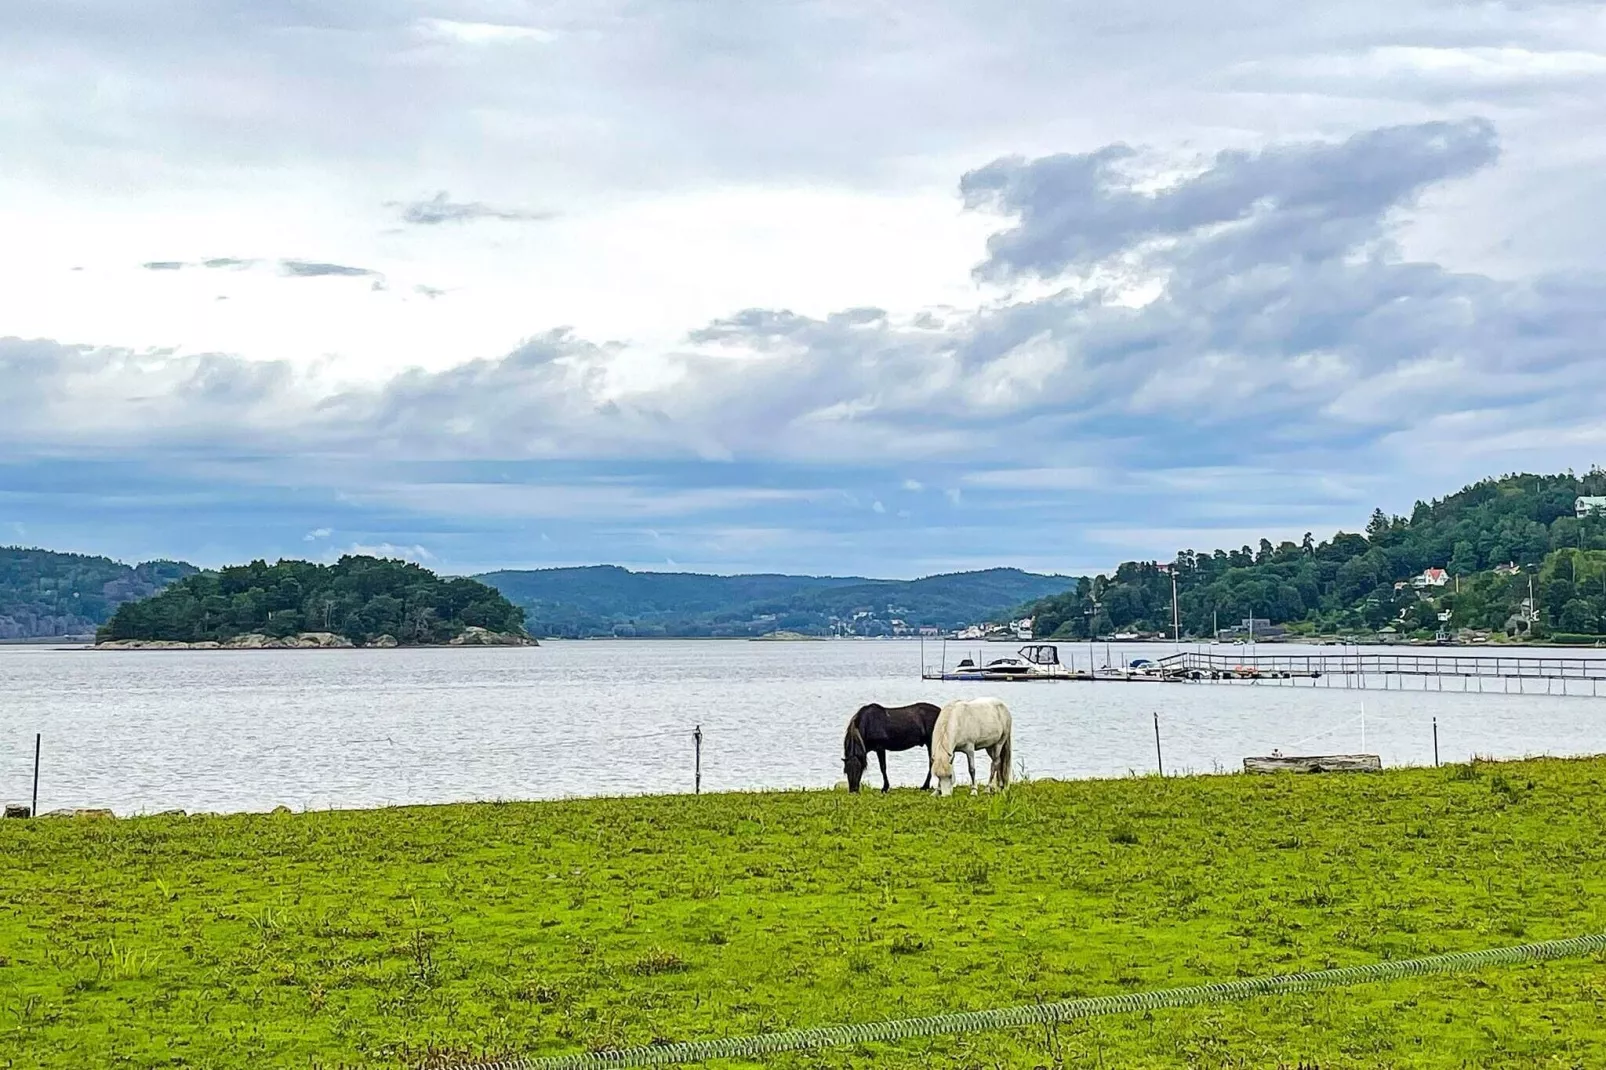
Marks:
<point>880,728</point>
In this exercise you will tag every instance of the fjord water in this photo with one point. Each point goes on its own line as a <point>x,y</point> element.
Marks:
<point>144,731</point>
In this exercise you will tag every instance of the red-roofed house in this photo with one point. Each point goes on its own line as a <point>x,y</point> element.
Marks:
<point>1433,577</point>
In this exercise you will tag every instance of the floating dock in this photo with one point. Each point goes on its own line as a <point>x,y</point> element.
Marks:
<point>1478,673</point>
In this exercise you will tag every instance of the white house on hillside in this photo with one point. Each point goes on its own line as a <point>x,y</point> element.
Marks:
<point>1433,577</point>
<point>1590,506</point>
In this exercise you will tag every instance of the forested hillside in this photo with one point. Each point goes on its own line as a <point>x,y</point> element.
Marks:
<point>43,593</point>
<point>1350,583</point>
<point>360,598</point>
<point>607,600</point>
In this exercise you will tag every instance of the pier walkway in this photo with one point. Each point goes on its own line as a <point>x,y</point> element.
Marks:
<point>1491,672</point>
<point>1480,673</point>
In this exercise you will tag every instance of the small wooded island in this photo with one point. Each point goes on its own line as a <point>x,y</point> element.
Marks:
<point>357,601</point>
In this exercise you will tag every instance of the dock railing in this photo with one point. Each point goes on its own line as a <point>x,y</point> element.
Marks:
<point>1486,666</point>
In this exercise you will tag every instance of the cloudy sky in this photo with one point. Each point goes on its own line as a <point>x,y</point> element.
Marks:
<point>799,285</point>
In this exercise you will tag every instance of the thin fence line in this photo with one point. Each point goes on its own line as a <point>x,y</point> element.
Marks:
<point>534,744</point>
<point>1353,721</point>
<point>1042,1013</point>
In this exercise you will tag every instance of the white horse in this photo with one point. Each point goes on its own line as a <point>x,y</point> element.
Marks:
<point>964,725</point>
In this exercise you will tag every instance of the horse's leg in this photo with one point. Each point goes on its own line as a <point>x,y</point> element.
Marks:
<point>886,785</point>
<point>970,760</point>
<point>927,785</point>
<point>992,772</point>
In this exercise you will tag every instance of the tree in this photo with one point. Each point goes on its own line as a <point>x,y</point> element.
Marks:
<point>1577,615</point>
<point>1464,561</point>
<point>1422,616</point>
<point>1377,612</point>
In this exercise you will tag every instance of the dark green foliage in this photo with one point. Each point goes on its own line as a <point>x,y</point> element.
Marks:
<point>1348,583</point>
<point>43,593</point>
<point>608,600</point>
<point>360,598</point>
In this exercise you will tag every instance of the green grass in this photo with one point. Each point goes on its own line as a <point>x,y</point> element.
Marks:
<point>381,937</point>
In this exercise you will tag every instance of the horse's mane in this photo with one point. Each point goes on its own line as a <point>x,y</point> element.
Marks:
<point>853,742</point>
<point>942,745</point>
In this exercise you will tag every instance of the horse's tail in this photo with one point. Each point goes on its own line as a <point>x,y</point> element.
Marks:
<point>942,744</point>
<point>1006,758</point>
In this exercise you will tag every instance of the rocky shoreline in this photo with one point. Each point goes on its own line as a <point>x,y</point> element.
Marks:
<point>315,641</point>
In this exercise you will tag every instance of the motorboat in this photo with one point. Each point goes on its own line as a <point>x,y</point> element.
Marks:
<point>1032,662</point>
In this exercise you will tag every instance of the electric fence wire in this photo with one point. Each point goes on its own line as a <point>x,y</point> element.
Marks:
<point>542,743</point>
<point>696,1051</point>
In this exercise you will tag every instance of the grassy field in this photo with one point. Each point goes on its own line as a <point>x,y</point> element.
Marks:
<point>381,937</point>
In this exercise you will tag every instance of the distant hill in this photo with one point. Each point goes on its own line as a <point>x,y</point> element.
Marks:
<point>1492,540</point>
<point>359,598</point>
<point>44,593</point>
<point>609,600</point>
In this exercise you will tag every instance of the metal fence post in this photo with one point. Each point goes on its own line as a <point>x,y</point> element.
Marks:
<point>1158,761</point>
<point>34,811</point>
<point>697,739</point>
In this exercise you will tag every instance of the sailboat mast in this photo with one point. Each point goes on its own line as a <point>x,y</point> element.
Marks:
<point>1176,619</point>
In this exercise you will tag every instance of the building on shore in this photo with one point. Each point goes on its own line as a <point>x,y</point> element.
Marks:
<point>1432,577</point>
<point>1252,628</point>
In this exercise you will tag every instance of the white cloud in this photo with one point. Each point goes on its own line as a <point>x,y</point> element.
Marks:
<point>572,501</point>
<point>481,33</point>
<point>416,554</point>
<point>317,533</point>
<point>913,486</point>
<point>1285,322</point>
<point>1255,255</point>
<point>1462,68</point>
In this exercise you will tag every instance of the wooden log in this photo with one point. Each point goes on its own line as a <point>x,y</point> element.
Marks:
<point>1318,763</point>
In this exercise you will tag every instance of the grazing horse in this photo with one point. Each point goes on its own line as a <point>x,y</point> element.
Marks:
<point>964,725</point>
<point>881,728</point>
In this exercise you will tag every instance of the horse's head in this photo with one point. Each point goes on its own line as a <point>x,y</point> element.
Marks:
<point>855,758</point>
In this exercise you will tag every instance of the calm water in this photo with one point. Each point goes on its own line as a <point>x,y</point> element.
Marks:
<point>249,730</point>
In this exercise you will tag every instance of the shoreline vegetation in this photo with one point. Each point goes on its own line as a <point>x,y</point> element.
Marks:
<point>454,932</point>
<point>470,636</point>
